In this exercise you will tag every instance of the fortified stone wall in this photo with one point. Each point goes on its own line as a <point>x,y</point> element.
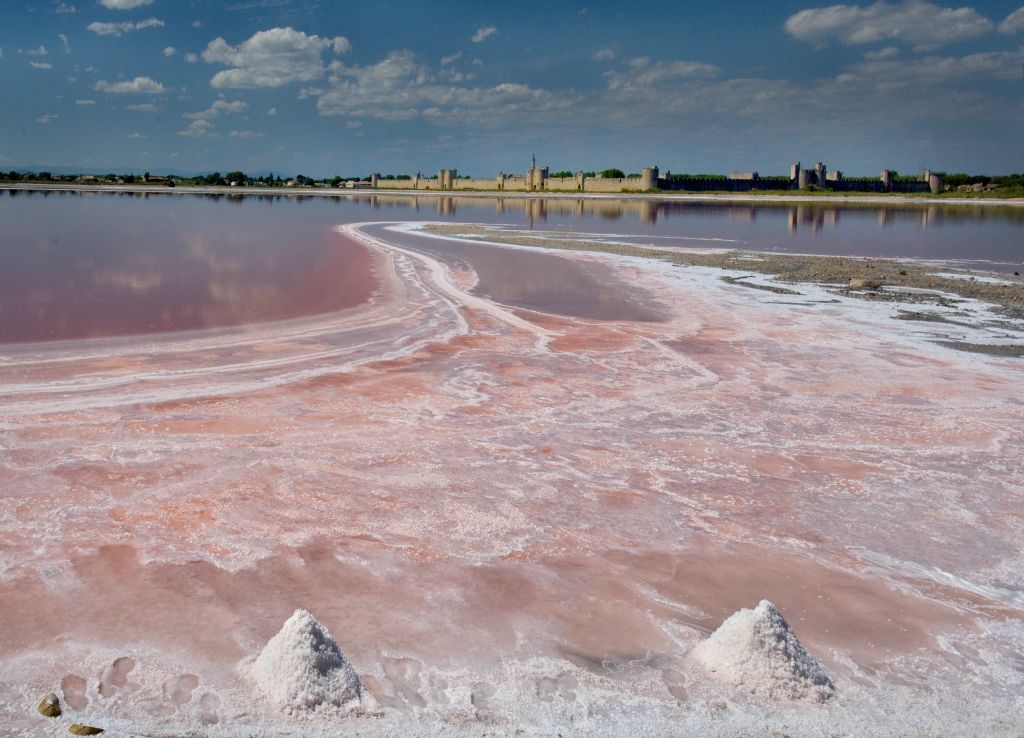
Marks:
<point>537,180</point>
<point>570,184</point>
<point>400,184</point>
<point>613,184</point>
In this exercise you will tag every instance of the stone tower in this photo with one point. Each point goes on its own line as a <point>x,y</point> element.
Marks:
<point>649,178</point>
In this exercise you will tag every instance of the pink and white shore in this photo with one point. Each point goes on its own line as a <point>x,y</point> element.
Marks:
<point>517,520</point>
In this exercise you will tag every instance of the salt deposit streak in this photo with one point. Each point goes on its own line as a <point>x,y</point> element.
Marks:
<point>756,650</point>
<point>302,668</point>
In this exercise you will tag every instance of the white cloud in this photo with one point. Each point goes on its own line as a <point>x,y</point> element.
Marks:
<point>41,51</point>
<point>271,58</point>
<point>354,124</point>
<point>170,51</point>
<point>124,4</point>
<point>446,60</point>
<point>141,85</point>
<point>245,134</point>
<point>118,29</point>
<point>199,129</point>
<point>137,135</point>
<point>191,58</point>
<point>45,119</point>
<point>63,8</point>
<point>310,92</point>
<point>917,22</point>
<point>84,102</point>
<point>197,24</point>
<point>897,75</point>
<point>643,74</point>
<point>64,41</point>
<point>887,53</point>
<point>483,33</point>
<point>218,108</point>
<point>143,107</point>
<point>604,55</point>
<point>1014,22</point>
<point>1,52</point>
<point>41,65</point>
<point>272,112</point>
<point>202,125</point>
<point>400,87</point>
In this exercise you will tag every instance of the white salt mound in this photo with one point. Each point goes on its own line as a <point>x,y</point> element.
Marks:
<point>756,650</point>
<point>302,668</point>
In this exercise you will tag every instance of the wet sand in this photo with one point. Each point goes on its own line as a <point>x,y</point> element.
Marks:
<point>515,516</point>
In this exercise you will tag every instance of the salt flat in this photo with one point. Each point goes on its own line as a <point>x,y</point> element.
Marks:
<point>514,516</point>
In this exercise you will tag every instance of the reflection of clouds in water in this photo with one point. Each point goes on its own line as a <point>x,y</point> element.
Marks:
<point>198,247</point>
<point>134,281</point>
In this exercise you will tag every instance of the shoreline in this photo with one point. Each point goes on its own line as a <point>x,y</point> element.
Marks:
<point>880,200</point>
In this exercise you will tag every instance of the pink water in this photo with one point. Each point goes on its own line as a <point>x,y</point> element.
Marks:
<point>511,517</point>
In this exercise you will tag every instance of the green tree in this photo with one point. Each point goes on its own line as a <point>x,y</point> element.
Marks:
<point>236,176</point>
<point>613,174</point>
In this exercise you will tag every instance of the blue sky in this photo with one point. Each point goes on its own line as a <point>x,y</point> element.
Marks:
<point>324,88</point>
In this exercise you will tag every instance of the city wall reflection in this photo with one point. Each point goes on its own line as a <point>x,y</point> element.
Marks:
<point>810,216</point>
<point>977,236</point>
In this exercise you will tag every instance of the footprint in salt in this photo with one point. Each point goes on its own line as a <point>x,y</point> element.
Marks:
<point>208,705</point>
<point>481,696</point>
<point>563,686</point>
<point>404,673</point>
<point>115,677</point>
<point>179,690</point>
<point>73,687</point>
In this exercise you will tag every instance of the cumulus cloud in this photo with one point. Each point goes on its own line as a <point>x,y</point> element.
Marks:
<point>892,75</point>
<point>81,101</point>
<point>1014,22</point>
<point>191,58</point>
<point>219,108</point>
<point>920,23</point>
<point>446,60</point>
<point>124,4</point>
<point>41,65</point>
<point>202,121</point>
<point>63,8</point>
<point>272,111</point>
<point>245,134</point>
<point>64,42</point>
<point>45,119</point>
<point>41,51</point>
<point>603,55</point>
<point>271,58</point>
<point>400,87</point>
<point>170,51</point>
<point>483,34</point>
<point>143,107</point>
<point>642,73</point>
<point>137,135</point>
<point>140,85</point>
<point>119,29</point>
<point>887,53</point>
<point>199,129</point>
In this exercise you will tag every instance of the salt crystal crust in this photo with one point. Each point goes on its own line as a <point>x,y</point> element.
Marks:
<point>756,650</point>
<point>302,668</point>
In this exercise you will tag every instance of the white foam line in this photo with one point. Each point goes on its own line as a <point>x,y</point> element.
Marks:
<point>442,280</point>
